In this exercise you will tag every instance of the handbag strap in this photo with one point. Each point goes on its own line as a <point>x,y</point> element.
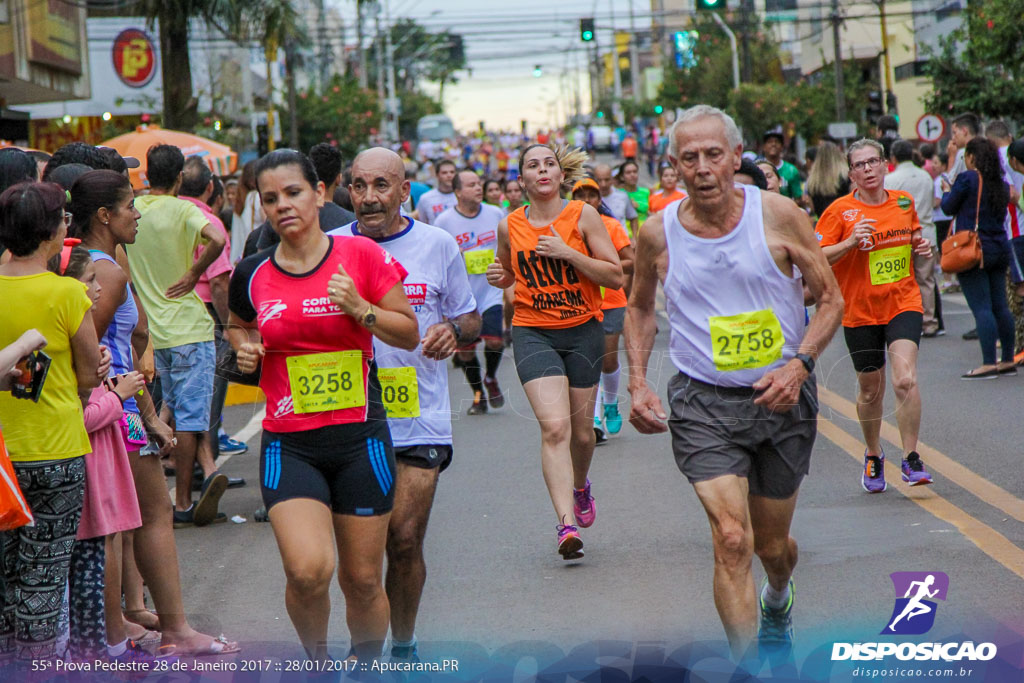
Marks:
<point>977,207</point>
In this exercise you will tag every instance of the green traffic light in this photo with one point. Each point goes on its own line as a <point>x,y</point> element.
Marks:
<point>600,114</point>
<point>588,35</point>
<point>658,109</point>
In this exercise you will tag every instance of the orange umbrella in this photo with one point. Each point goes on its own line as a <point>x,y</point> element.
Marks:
<point>220,158</point>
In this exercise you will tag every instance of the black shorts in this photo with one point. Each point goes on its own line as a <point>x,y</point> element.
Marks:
<point>717,431</point>
<point>492,327</point>
<point>348,467</point>
<point>427,457</point>
<point>867,344</point>
<point>571,352</point>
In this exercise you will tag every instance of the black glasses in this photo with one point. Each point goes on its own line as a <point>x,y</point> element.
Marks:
<point>873,162</point>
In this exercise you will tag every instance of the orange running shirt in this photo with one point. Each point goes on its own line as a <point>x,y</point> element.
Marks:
<point>876,279</point>
<point>615,298</point>
<point>659,201</point>
<point>629,148</point>
<point>549,292</point>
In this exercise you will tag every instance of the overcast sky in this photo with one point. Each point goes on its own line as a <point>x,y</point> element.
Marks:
<point>504,41</point>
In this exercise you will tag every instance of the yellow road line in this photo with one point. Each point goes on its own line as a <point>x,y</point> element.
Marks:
<point>990,541</point>
<point>937,461</point>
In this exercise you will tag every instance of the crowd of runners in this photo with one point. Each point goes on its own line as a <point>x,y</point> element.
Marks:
<point>343,293</point>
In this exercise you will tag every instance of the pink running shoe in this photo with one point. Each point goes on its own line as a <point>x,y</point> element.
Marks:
<point>570,545</point>
<point>584,507</point>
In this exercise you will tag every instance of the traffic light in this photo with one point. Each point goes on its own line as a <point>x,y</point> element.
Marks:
<point>537,71</point>
<point>600,114</point>
<point>658,109</point>
<point>890,104</point>
<point>710,5</point>
<point>874,109</point>
<point>587,29</point>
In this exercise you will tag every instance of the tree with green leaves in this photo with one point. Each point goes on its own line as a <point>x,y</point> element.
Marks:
<point>422,55</point>
<point>343,114</point>
<point>978,66</point>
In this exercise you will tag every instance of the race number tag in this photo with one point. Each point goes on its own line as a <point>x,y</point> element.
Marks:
<point>326,381</point>
<point>745,340</point>
<point>400,391</point>
<point>889,265</point>
<point>478,260</point>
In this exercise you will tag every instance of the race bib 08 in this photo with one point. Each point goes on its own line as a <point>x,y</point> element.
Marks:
<point>399,391</point>
<point>326,381</point>
<point>746,340</point>
<point>478,260</point>
<point>889,265</point>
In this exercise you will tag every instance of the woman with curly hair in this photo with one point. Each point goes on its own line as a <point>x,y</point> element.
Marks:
<point>978,200</point>
<point>558,255</point>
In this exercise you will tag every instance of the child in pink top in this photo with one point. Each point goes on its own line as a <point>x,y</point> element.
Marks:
<point>110,504</point>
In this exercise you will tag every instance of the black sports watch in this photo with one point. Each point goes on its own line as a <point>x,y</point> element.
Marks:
<point>807,360</point>
<point>455,329</point>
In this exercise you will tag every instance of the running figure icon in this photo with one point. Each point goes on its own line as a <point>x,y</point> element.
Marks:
<point>916,607</point>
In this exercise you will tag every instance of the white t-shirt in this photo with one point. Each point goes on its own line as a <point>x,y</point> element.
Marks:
<point>438,289</point>
<point>621,206</point>
<point>433,203</point>
<point>479,233</point>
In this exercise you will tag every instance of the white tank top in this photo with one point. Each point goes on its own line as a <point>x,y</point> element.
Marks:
<point>733,315</point>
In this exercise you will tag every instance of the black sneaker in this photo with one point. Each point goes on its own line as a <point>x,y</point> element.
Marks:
<point>479,406</point>
<point>600,438</point>
<point>970,335</point>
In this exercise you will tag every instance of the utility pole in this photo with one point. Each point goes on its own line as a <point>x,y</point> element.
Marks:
<point>270,53</point>
<point>840,86</point>
<point>379,56</point>
<point>885,55</point>
<point>392,103</point>
<point>746,8</point>
<point>616,76</point>
<point>732,44</point>
<point>634,64</point>
<point>364,77</point>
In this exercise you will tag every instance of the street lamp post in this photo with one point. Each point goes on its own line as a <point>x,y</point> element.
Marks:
<point>735,52</point>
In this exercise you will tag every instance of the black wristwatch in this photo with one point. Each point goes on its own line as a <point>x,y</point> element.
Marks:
<point>455,328</point>
<point>807,360</point>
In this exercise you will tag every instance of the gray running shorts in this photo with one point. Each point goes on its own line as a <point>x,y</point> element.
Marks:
<point>614,319</point>
<point>718,431</point>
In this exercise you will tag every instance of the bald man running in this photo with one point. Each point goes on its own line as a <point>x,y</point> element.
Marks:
<point>616,199</point>
<point>414,384</point>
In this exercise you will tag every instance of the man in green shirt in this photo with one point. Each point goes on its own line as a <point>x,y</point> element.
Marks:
<point>164,275</point>
<point>771,149</point>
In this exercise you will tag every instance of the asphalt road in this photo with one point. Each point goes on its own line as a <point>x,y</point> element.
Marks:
<point>497,589</point>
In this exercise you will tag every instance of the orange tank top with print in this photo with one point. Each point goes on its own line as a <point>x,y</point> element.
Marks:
<point>549,292</point>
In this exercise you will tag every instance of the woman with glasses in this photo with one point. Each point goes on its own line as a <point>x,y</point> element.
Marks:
<point>869,237</point>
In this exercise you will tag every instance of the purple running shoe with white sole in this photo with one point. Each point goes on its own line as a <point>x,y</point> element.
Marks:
<point>873,477</point>
<point>914,472</point>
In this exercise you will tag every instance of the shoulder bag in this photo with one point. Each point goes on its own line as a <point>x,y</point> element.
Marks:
<point>961,251</point>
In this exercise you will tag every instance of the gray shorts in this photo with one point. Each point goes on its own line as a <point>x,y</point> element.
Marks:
<point>718,431</point>
<point>571,352</point>
<point>614,319</point>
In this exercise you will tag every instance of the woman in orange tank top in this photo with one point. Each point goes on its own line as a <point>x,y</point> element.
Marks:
<point>558,255</point>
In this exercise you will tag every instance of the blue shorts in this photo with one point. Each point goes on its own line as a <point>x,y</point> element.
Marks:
<point>186,379</point>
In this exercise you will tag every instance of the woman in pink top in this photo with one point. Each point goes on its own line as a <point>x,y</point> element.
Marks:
<point>110,504</point>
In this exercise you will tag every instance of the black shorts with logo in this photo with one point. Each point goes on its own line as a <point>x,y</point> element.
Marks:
<point>425,456</point>
<point>348,467</point>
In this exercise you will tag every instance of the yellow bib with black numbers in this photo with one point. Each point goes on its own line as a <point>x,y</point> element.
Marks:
<point>745,340</point>
<point>326,381</point>
<point>889,265</point>
<point>399,391</point>
<point>478,260</point>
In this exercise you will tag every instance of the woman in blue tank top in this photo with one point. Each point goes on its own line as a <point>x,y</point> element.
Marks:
<point>103,206</point>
